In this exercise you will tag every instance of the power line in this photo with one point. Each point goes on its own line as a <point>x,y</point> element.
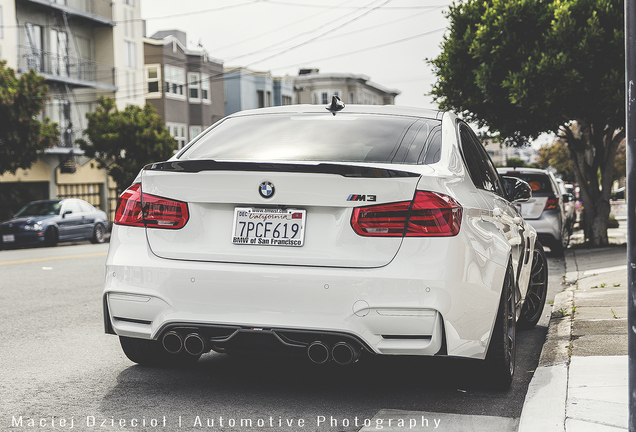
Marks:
<point>321,35</point>
<point>234,6</point>
<point>298,35</point>
<point>293,23</point>
<point>364,49</point>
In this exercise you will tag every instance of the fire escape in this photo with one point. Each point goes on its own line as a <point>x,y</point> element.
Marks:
<point>59,40</point>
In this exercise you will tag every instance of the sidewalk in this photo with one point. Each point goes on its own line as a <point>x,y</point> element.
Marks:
<point>581,383</point>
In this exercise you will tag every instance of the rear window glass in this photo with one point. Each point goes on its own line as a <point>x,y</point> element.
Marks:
<point>323,138</point>
<point>539,183</point>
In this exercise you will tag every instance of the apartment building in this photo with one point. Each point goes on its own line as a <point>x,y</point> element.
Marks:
<point>249,89</point>
<point>184,85</point>
<point>313,87</point>
<point>84,49</point>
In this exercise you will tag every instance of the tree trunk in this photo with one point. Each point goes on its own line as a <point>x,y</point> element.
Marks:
<point>593,153</point>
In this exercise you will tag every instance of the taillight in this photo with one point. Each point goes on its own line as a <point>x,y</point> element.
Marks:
<point>151,211</point>
<point>551,203</point>
<point>428,214</point>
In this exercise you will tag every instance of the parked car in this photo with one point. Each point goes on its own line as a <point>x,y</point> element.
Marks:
<point>545,211</point>
<point>338,233</point>
<point>569,204</point>
<point>52,221</point>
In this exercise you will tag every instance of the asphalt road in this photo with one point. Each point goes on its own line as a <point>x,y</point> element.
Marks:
<point>58,369</point>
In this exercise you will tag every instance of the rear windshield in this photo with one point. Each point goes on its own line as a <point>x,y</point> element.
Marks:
<point>539,183</point>
<point>317,137</point>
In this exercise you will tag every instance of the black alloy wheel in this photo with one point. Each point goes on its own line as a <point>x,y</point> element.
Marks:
<point>537,290</point>
<point>500,358</point>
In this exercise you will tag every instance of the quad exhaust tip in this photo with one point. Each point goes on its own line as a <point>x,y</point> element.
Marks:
<point>194,344</point>
<point>342,353</point>
<point>318,352</point>
<point>172,342</point>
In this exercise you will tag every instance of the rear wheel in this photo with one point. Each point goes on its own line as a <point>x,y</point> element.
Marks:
<point>99,233</point>
<point>150,353</point>
<point>500,358</point>
<point>537,290</point>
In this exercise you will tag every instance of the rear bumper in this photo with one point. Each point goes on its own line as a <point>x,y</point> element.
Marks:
<point>436,291</point>
<point>548,226</point>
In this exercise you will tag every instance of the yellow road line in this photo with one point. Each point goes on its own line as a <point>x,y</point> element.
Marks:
<point>52,258</point>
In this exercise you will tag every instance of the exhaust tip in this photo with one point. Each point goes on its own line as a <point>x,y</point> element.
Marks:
<point>172,342</point>
<point>318,352</point>
<point>194,344</point>
<point>344,354</point>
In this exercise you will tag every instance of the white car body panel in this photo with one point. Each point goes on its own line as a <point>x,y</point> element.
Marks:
<point>399,295</point>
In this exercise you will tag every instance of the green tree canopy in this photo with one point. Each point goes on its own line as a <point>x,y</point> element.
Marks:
<point>22,134</point>
<point>557,156</point>
<point>524,67</point>
<point>125,141</point>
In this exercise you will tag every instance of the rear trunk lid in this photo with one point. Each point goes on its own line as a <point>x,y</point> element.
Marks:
<point>222,196</point>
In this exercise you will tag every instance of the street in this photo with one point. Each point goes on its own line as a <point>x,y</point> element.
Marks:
<point>59,370</point>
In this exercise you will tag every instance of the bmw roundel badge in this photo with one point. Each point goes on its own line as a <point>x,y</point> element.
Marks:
<point>266,189</point>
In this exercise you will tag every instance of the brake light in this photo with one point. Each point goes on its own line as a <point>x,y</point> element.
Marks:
<point>137,209</point>
<point>551,203</point>
<point>428,214</point>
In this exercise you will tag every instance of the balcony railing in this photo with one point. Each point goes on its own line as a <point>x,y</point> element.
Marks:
<point>72,70</point>
<point>100,10</point>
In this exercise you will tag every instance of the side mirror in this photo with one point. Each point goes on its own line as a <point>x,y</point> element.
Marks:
<point>517,189</point>
<point>67,212</point>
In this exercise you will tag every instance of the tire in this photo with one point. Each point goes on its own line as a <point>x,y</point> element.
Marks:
<point>500,357</point>
<point>537,290</point>
<point>99,233</point>
<point>51,237</point>
<point>150,353</point>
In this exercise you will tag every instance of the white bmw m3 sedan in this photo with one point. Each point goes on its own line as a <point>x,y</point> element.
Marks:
<point>335,233</point>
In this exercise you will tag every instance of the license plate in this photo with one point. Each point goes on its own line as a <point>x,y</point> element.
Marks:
<point>269,227</point>
<point>8,238</point>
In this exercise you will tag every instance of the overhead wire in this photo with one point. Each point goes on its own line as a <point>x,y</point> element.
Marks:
<point>322,34</point>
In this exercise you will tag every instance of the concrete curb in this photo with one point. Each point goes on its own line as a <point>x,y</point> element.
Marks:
<point>544,406</point>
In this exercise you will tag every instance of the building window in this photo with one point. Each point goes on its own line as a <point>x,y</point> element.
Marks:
<point>205,87</point>
<point>34,38</point>
<point>287,100</point>
<point>194,86</point>
<point>59,53</point>
<point>153,79</point>
<point>351,98</point>
<point>178,132</point>
<point>175,80</point>
<point>260,94</point>
<point>130,2</point>
<point>325,97</point>
<point>130,54</point>
<point>195,131</point>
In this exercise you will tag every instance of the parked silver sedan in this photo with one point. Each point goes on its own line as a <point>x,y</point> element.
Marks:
<point>545,211</point>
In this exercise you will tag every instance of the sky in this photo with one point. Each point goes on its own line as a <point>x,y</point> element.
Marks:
<point>386,40</point>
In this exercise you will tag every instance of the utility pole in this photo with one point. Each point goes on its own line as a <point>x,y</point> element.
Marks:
<point>630,111</point>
